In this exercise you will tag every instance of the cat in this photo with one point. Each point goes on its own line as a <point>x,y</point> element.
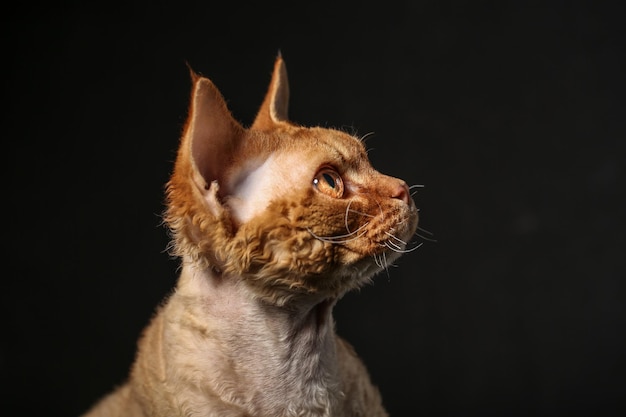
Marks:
<point>273,224</point>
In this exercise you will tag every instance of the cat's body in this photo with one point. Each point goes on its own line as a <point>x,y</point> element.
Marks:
<point>273,224</point>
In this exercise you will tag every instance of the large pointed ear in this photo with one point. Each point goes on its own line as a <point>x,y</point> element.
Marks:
<point>211,136</point>
<point>275,107</point>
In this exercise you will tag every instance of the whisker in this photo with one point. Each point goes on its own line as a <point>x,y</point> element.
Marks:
<point>412,249</point>
<point>382,213</point>
<point>332,240</point>
<point>346,216</point>
<point>415,186</point>
<point>383,264</point>
<point>365,136</point>
<point>340,238</point>
<point>336,239</point>
<point>425,231</point>
<point>346,235</point>
<point>430,239</point>
<point>396,238</point>
<point>377,261</point>
<point>426,238</point>
<point>393,246</point>
<point>361,213</point>
<point>396,247</point>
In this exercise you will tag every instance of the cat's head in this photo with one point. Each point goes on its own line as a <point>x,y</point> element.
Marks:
<point>288,209</point>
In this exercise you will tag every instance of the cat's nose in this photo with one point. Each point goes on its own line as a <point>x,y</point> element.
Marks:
<point>401,192</point>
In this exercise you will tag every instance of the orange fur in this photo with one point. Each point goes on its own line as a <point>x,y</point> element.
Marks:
<point>249,329</point>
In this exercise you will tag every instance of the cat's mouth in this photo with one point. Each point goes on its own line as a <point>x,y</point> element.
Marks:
<point>390,231</point>
<point>380,238</point>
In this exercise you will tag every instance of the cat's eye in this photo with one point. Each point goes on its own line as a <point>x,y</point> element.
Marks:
<point>328,181</point>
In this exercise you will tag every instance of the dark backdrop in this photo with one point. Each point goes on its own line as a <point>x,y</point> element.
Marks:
<point>513,117</point>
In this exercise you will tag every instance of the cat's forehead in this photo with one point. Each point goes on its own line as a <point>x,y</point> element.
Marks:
<point>327,144</point>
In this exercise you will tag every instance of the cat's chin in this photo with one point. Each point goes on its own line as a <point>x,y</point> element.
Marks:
<point>375,264</point>
<point>384,244</point>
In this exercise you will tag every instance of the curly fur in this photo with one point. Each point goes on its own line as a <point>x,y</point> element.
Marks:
<point>265,257</point>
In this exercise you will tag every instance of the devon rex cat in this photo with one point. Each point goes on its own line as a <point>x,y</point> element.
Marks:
<point>273,224</point>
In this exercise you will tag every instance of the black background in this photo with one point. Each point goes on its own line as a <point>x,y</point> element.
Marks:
<point>512,114</point>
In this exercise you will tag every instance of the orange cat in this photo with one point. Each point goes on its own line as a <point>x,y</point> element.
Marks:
<point>273,224</point>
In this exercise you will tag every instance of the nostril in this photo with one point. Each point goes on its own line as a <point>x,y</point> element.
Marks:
<point>401,192</point>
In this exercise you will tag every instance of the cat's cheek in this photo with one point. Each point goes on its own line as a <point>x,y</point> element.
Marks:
<point>303,255</point>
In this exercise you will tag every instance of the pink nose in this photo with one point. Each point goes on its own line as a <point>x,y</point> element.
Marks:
<point>401,192</point>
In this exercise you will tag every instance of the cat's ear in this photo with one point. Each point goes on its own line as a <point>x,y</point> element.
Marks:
<point>211,136</point>
<point>274,109</point>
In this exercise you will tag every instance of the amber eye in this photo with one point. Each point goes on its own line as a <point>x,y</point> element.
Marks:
<point>328,181</point>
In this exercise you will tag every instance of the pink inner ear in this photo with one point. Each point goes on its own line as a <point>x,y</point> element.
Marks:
<point>213,135</point>
<point>213,132</point>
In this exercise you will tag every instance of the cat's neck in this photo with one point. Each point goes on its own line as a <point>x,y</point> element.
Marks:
<point>226,299</point>
<point>290,348</point>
